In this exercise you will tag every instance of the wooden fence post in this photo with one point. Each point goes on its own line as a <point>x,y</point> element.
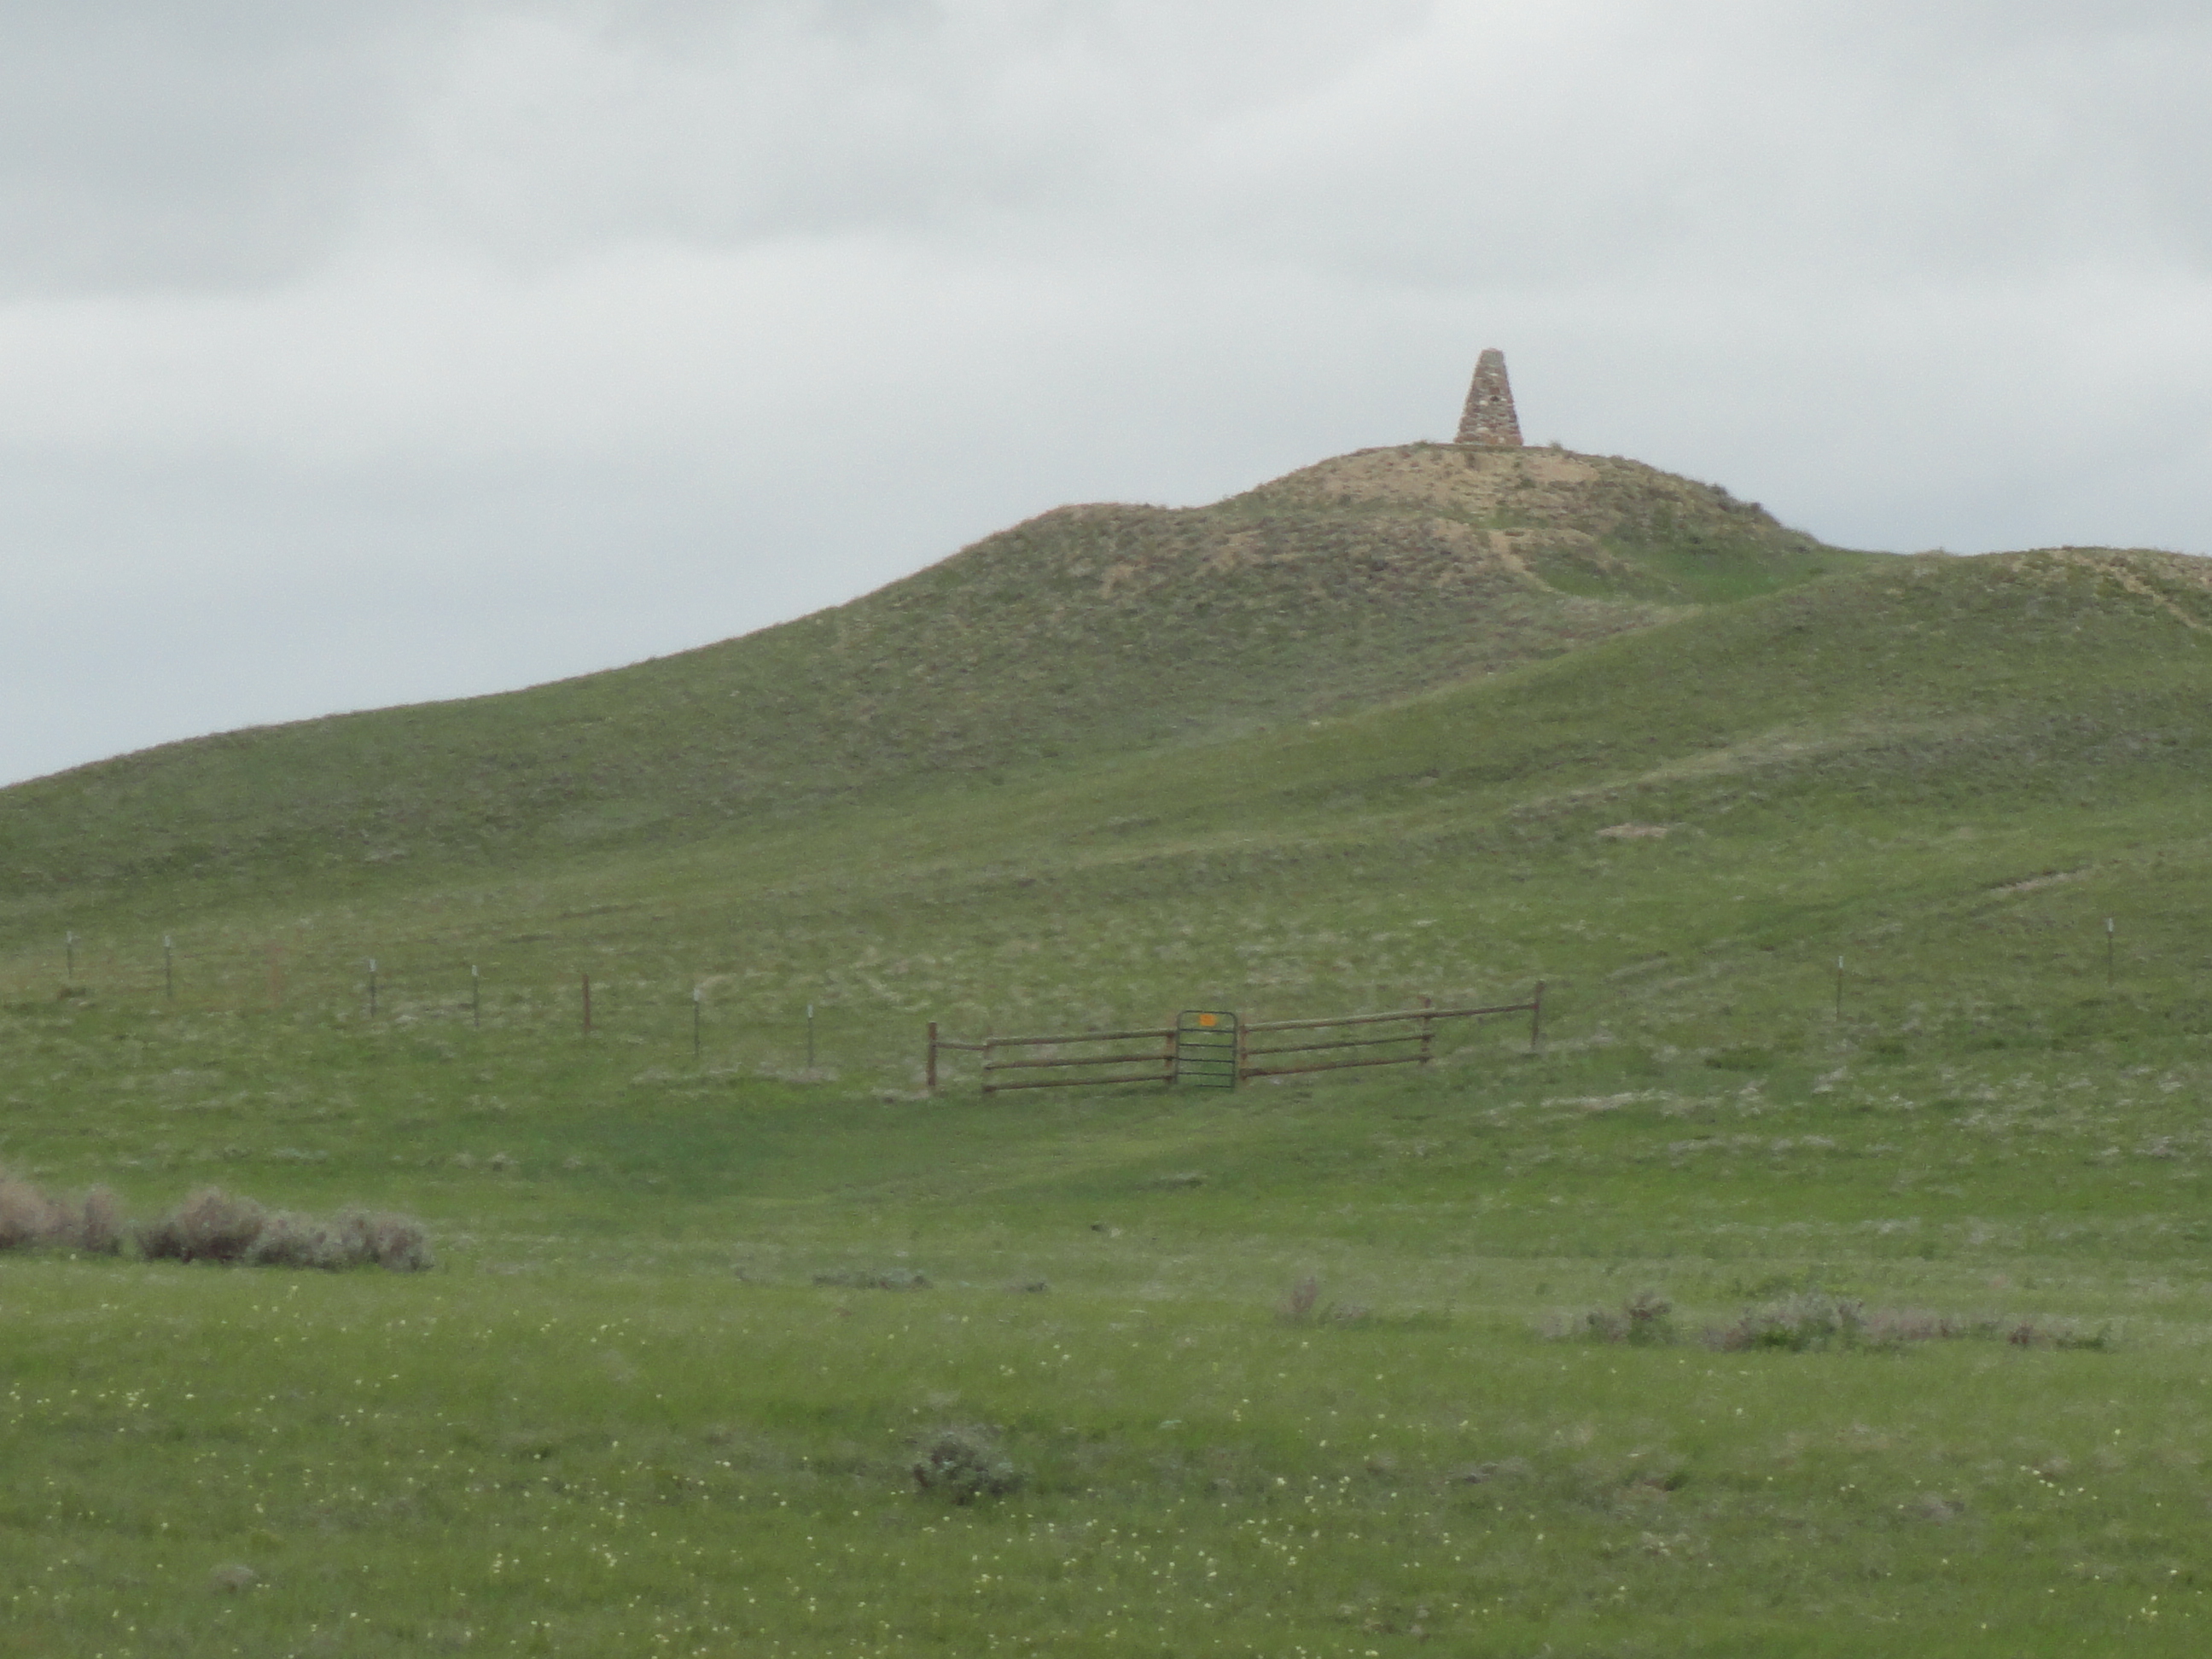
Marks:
<point>929,1071</point>
<point>1428,1033</point>
<point>1536,1020</point>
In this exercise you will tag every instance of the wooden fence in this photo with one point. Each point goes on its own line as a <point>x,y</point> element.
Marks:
<point>1159,1065</point>
<point>1423,1036</point>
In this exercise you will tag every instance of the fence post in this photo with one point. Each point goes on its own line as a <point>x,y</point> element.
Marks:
<point>929,1070</point>
<point>1536,1020</point>
<point>1428,1033</point>
<point>371,988</point>
<point>476,997</point>
<point>168,968</point>
<point>1168,1060</point>
<point>990,1047</point>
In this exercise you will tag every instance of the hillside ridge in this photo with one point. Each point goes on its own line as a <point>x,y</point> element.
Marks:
<point>1088,629</point>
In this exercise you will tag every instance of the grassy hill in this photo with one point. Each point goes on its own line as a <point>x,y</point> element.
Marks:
<point>1929,1233</point>
<point>1087,631</point>
<point>2001,716</point>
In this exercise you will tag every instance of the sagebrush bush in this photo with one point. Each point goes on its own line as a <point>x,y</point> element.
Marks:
<point>1816,1321</point>
<point>871,1278</point>
<point>1646,1319</point>
<point>1797,1323</point>
<point>213,1225</point>
<point>964,1465</point>
<point>1302,1305</point>
<point>30,1217</point>
<point>100,1227</point>
<point>296,1241</point>
<point>26,1214</point>
<point>398,1243</point>
<point>210,1225</point>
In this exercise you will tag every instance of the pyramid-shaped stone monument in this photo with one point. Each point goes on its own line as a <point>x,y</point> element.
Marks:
<point>1489,419</point>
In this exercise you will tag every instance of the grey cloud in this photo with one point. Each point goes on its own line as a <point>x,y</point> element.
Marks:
<point>542,134</point>
<point>1576,143</point>
<point>1732,142</point>
<point>155,146</point>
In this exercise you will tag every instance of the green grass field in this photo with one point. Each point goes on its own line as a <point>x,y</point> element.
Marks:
<point>652,1399</point>
<point>624,1415</point>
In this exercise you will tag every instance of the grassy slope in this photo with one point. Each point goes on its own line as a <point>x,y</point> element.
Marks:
<point>1949,771</point>
<point>1907,739</point>
<point>1088,630</point>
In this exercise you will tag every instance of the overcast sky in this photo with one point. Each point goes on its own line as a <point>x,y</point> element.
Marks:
<point>397,349</point>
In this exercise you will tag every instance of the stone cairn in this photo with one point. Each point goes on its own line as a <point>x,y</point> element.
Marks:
<point>1489,419</point>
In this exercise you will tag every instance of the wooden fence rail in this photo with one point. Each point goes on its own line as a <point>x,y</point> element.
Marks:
<point>1160,1067</point>
<point>1423,1036</point>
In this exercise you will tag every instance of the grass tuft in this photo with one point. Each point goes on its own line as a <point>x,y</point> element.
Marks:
<point>867,1279</point>
<point>1646,1319</point>
<point>964,1464</point>
<point>1301,1306</point>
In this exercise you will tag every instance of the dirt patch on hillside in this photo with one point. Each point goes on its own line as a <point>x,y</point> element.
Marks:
<point>1479,482</point>
<point>2164,579</point>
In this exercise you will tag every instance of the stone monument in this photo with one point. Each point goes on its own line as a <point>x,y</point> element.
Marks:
<point>1489,419</point>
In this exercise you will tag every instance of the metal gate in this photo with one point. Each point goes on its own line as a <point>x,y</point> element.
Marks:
<point>1207,1053</point>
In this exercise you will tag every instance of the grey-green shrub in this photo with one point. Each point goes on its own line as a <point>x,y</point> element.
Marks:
<point>30,1217</point>
<point>963,1465</point>
<point>1646,1319</point>
<point>213,1225</point>
<point>210,1225</point>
